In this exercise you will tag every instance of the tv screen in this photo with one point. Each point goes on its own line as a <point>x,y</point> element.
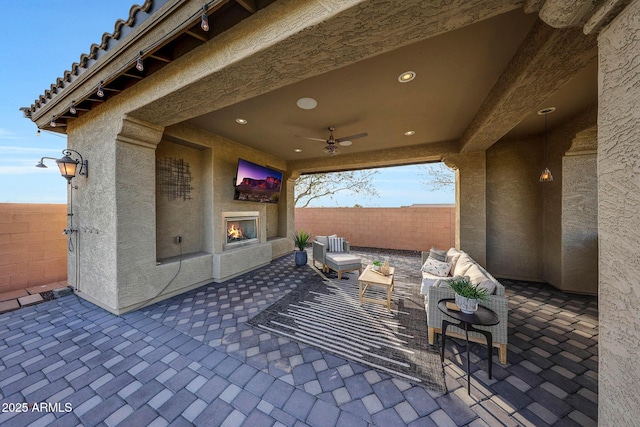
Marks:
<point>255,183</point>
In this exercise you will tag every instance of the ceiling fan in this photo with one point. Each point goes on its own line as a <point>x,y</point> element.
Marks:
<point>332,144</point>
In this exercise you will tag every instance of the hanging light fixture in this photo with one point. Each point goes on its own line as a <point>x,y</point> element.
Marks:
<point>204,24</point>
<point>100,92</point>
<point>546,176</point>
<point>52,123</point>
<point>139,63</point>
<point>331,149</point>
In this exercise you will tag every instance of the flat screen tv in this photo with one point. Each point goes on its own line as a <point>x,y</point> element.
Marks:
<point>255,183</point>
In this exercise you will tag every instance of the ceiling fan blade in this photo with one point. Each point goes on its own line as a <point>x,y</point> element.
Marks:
<point>349,138</point>
<point>313,139</point>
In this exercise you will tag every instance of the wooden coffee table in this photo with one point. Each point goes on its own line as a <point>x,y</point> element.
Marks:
<point>372,278</point>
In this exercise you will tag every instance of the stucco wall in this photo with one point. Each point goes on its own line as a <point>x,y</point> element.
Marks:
<point>619,219</point>
<point>525,229</point>
<point>408,228</point>
<point>33,250</point>
<point>514,210</point>
<point>179,213</point>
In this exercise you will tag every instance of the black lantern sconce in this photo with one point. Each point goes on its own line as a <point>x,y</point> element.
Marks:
<point>69,167</point>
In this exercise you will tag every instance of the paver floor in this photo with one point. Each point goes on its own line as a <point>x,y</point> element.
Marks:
<point>194,360</point>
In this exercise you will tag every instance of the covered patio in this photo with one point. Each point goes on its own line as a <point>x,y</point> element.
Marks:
<point>173,363</point>
<point>165,107</point>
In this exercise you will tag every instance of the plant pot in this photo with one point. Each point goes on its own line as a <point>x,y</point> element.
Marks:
<point>467,305</point>
<point>301,258</point>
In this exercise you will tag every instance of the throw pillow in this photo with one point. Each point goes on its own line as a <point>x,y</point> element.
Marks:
<point>437,254</point>
<point>438,268</point>
<point>336,244</point>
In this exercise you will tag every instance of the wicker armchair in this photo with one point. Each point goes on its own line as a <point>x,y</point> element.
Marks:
<point>339,262</point>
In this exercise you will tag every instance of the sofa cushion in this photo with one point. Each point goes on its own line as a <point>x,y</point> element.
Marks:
<point>436,267</point>
<point>478,277</point>
<point>426,283</point>
<point>437,254</point>
<point>463,264</point>
<point>453,255</point>
<point>336,244</point>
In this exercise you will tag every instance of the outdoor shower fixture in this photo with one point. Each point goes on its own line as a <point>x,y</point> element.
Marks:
<point>69,166</point>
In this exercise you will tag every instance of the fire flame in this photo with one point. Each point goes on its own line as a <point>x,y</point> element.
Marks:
<point>234,233</point>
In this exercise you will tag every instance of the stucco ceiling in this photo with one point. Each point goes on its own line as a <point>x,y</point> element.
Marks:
<point>455,72</point>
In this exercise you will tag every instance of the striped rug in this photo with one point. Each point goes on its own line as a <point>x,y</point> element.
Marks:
<point>326,315</point>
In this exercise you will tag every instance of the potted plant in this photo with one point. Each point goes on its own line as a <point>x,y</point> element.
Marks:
<point>377,265</point>
<point>468,294</point>
<point>301,238</point>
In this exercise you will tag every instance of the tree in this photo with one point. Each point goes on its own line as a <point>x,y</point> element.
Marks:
<point>314,186</point>
<point>437,176</point>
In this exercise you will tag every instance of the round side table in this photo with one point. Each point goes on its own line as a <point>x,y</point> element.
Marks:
<point>482,317</point>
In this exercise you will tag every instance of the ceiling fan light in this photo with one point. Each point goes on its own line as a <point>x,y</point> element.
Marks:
<point>331,150</point>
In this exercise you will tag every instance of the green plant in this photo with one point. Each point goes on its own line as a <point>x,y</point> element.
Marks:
<point>465,288</point>
<point>377,263</point>
<point>301,238</point>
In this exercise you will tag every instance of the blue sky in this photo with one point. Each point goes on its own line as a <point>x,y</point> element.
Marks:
<point>39,40</point>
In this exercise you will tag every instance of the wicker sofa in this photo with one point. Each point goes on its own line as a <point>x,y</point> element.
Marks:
<point>435,288</point>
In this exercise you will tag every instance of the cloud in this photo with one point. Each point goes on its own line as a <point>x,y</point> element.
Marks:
<point>12,149</point>
<point>5,134</point>
<point>14,166</point>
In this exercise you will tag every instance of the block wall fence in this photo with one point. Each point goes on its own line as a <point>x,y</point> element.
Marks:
<point>33,250</point>
<point>408,228</point>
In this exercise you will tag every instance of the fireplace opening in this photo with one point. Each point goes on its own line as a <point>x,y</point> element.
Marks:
<point>241,231</point>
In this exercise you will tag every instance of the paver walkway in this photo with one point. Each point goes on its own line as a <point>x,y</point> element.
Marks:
<point>194,360</point>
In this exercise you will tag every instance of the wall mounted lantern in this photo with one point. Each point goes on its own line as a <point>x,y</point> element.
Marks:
<point>69,166</point>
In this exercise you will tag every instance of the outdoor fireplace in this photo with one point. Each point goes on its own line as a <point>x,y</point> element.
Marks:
<point>240,228</point>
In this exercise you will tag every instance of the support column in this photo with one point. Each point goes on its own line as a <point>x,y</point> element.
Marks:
<point>580,215</point>
<point>135,162</point>
<point>471,203</point>
<point>619,218</point>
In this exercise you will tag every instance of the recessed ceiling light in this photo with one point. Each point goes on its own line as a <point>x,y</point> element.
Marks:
<point>410,132</point>
<point>345,143</point>
<point>307,103</point>
<point>407,76</point>
<point>546,111</point>
<point>241,121</point>
<point>298,150</point>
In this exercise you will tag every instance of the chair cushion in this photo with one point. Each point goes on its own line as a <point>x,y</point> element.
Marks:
<point>436,267</point>
<point>342,259</point>
<point>336,244</point>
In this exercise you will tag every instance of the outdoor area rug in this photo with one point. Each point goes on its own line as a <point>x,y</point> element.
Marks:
<point>326,314</point>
